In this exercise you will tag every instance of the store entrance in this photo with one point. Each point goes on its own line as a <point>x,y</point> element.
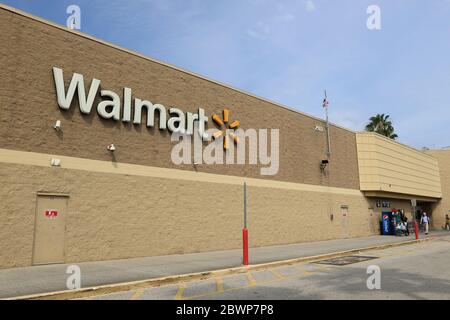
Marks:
<point>424,207</point>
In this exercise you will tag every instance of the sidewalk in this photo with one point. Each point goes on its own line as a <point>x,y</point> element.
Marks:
<point>41,279</point>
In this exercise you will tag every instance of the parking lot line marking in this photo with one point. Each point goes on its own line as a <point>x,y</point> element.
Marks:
<point>251,279</point>
<point>181,288</point>
<point>304,271</point>
<point>219,284</point>
<point>251,284</point>
<point>277,274</point>
<point>138,294</point>
<point>321,267</point>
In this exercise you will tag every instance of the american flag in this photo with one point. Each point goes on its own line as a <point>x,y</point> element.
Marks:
<point>325,103</point>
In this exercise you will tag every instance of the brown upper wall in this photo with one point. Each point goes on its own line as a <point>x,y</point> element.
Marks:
<point>30,48</point>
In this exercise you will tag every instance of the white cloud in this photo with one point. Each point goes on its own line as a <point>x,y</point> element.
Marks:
<point>287,17</point>
<point>260,32</point>
<point>262,29</point>
<point>255,34</point>
<point>310,6</point>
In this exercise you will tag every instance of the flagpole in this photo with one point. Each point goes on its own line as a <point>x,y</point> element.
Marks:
<point>327,125</point>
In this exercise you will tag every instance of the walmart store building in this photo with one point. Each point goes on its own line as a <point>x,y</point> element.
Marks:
<point>65,198</point>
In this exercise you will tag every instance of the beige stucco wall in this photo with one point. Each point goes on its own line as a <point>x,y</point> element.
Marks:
<point>388,166</point>
<point>137,202</point>
<point>30,49</point>
<point>441,208</point>
<point>121,211</point>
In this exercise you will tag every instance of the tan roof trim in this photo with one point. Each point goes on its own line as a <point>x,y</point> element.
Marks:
<point>80,34</point>
<point>436,150</point>
<point>393,195</point>
<point>394,141</point>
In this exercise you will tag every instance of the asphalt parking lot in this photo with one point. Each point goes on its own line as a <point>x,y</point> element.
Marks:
<point>418,271</point>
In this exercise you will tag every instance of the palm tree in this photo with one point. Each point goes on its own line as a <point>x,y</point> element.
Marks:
<point>382,125</point>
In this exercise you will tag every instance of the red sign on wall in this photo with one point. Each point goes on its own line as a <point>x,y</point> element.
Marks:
<point>51,213</point>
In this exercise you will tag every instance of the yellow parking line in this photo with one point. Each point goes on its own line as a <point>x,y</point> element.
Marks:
<point>180,291</point>
<point>252,283</point>
<point>251,279</point>
<point>303,270</point>
<point>321,267</point>
<point>138,294</point>
<point>219,284</point>
<point>277,274</point>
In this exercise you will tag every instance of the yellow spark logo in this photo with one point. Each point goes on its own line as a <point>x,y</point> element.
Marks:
<point>223,126</point>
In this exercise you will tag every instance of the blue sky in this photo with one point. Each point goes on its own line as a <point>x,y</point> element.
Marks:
<point>290,50</point>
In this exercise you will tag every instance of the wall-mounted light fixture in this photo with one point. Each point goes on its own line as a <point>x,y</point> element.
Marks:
<point>319,128</point>
<point>111,147</point>
<point>57,125</point>
<point>55,162</point>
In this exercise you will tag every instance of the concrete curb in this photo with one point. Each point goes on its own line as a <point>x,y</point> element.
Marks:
<point>156,282</point>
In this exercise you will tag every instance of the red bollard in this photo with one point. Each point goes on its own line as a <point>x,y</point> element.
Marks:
<point>416,229</point>
<point>245,246</point>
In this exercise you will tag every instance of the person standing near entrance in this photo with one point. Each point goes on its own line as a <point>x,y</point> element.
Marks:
<point>425,221</point>
<point>405,223</point>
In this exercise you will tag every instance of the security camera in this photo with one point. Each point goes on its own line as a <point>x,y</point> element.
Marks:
<point>323,164</point>
<point>57,125</point>
<point>111,147</point>
<point>205,136</point>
